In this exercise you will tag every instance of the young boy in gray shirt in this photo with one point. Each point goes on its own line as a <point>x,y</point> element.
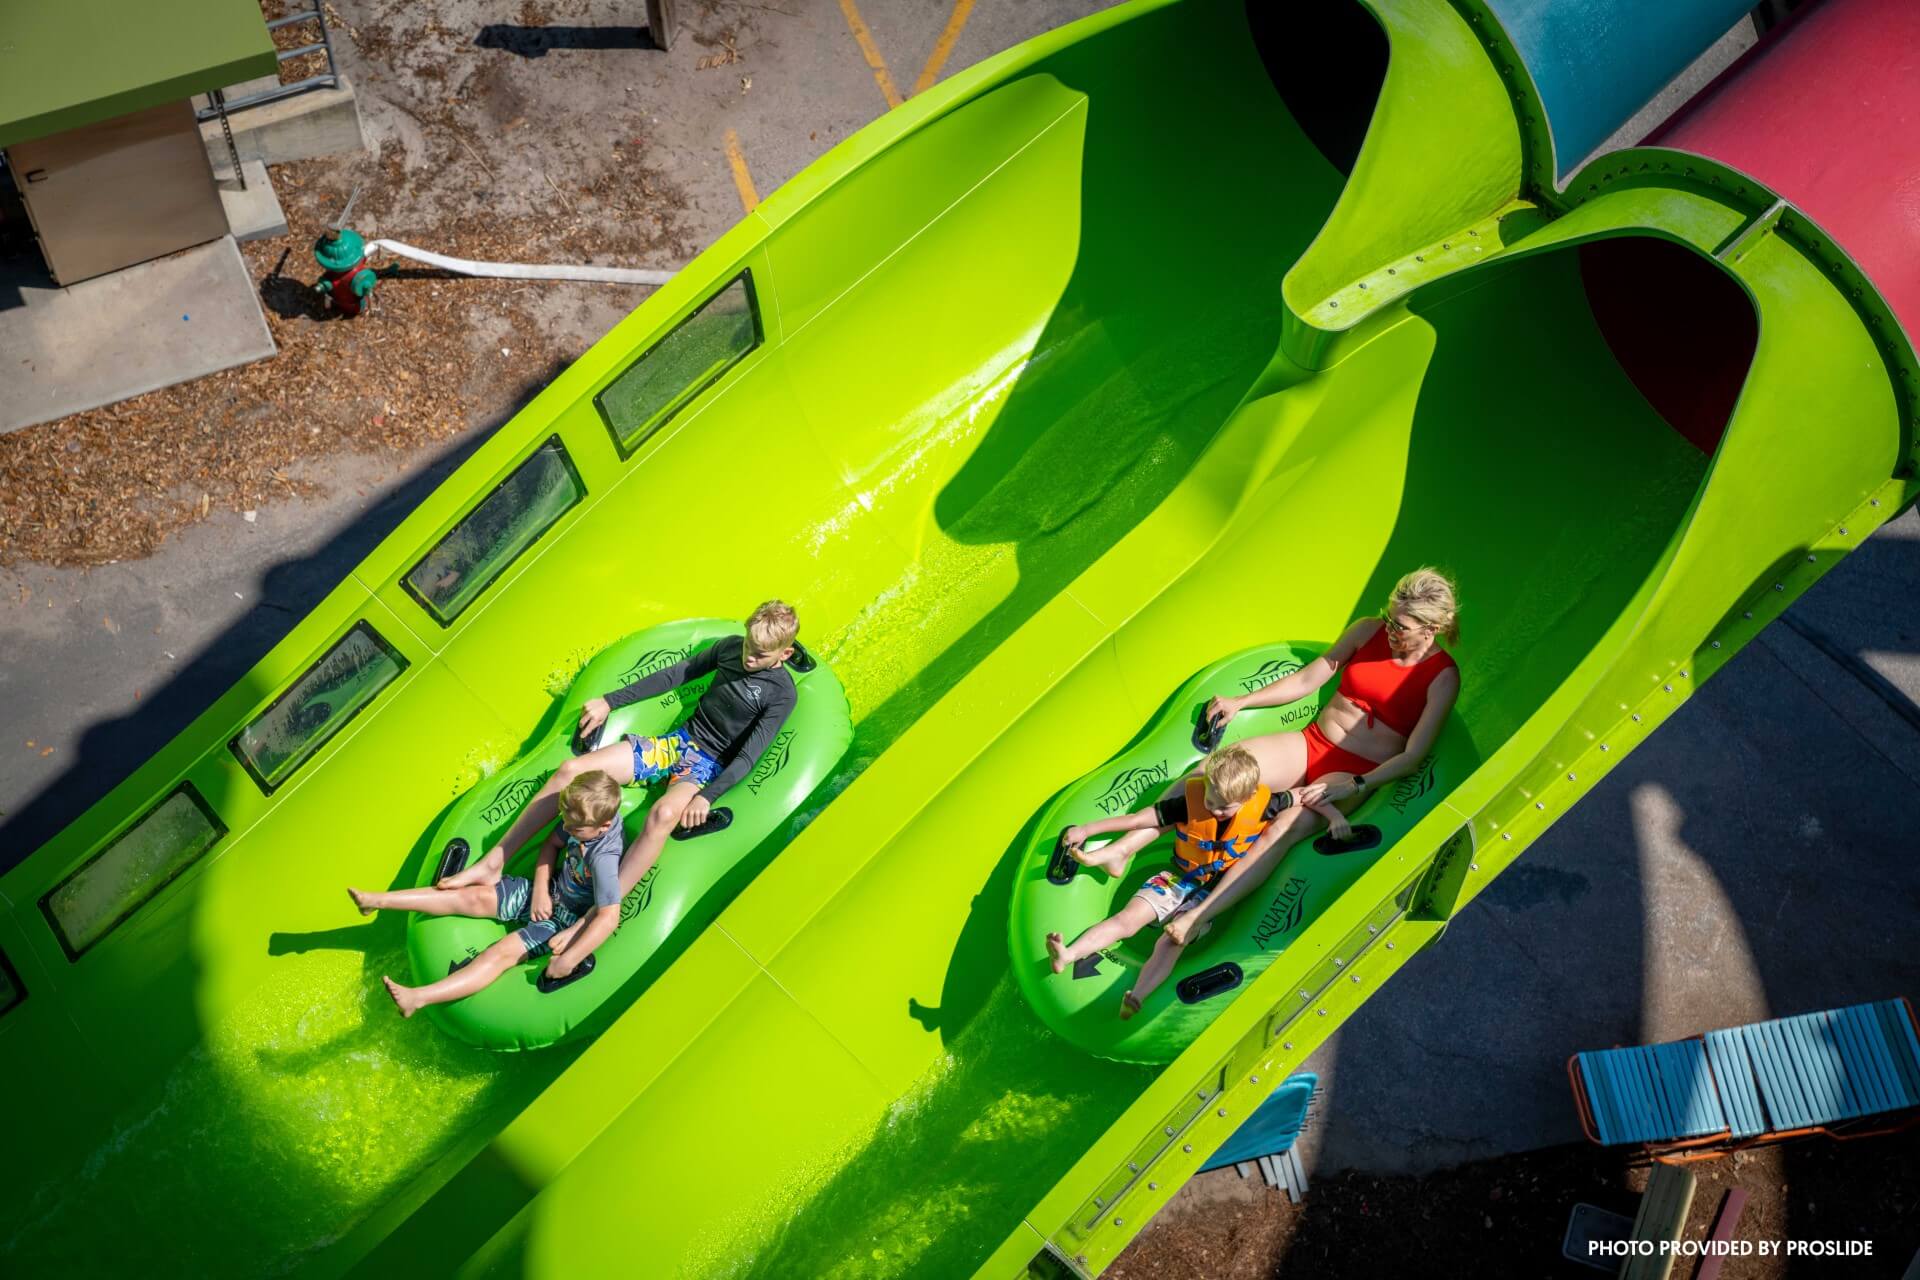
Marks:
<point>569,906</point>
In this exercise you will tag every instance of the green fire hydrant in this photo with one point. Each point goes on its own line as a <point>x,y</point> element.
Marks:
<point>348,282</point>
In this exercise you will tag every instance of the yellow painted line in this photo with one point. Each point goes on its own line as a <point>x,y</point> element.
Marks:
<point>871,51</point>
<point>943,47</point>
<point>742,180</point>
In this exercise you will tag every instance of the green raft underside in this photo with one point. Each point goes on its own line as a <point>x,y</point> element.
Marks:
<point>695,876</point>
<point>1036,464</point>
<point>1309,878</point>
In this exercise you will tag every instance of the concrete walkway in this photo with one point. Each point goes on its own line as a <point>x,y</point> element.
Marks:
<point>1757,857</point>
<point>115,336</point>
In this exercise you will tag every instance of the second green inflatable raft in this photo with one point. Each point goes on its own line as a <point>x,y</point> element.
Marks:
<point>1083,1004</point>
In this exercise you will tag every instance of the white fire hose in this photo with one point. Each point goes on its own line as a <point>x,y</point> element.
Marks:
<point>520,270</point>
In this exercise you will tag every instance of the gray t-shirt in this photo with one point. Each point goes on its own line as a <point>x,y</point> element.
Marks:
<point>589,873</point>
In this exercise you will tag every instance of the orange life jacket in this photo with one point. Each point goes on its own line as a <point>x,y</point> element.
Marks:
<point>1206,845</point>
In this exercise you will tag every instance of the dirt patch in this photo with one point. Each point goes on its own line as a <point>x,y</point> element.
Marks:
<point>1508,1216</point>
<point>438,356</point>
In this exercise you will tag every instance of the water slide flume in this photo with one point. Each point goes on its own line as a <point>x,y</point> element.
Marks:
<point>1052,893</point>
<point>1020,479</point>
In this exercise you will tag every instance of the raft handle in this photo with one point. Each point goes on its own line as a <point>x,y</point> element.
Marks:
<point>1206,732</point>
<point>1062,866</point>
<point>589,742</point>
<point>547,986</point>
<point>1365,836</point>
<point>1208,983</point>
<point>717,820</point>
<point>801,661</point>
<point>453,860</point>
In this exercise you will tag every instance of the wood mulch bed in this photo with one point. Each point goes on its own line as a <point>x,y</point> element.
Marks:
<point>1507,1216</point>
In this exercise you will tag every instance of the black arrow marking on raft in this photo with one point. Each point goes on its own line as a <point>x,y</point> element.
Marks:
<point>1062,866</point>
<point>1087,966</point>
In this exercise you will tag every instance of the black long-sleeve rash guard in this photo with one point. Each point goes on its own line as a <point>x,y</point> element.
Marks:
<point>737,717</point>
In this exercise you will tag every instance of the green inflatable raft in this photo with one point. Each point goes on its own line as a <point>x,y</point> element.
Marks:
<point>1054,894</point>
<point>695,876</point>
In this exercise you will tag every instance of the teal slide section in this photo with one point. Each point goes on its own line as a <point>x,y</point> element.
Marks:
<point>1091,367</point>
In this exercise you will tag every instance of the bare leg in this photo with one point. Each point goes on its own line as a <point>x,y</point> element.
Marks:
<point>1166,954</point>
<point>661,820</point>
<point>479,900</point>
<point>615,760</point>
<point>1124,923</point>
<point>486,967</point>
<point>1114,856</point>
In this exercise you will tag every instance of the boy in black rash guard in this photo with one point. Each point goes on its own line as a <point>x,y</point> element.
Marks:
<point>739,714</point>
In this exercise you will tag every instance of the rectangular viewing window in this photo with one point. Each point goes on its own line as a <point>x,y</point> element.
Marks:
<point>11,990</point>
<point>332,692</point>
<point>507,522</point>
<point>141,861</point>
<point>674,370</point>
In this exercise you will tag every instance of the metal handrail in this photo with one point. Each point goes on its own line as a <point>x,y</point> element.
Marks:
<point>328,79</point>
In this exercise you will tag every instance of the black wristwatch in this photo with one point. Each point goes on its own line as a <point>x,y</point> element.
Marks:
<point>1359,783</point>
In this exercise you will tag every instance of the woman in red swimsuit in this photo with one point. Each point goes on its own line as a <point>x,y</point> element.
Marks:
<point>1397,687</point>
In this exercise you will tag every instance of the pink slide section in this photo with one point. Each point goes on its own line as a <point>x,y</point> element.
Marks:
<point>1826,112</point>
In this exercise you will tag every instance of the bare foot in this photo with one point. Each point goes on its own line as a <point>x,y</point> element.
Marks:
<point>360,901</point>
<point>485,871</point>
<point>1057,948</point>
<point>1129,1005</point>
<point>402,997</point>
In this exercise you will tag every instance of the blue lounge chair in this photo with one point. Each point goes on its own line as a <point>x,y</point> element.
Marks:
<point>1843,1072</point>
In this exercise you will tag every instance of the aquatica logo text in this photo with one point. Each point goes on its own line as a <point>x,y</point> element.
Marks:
<point>508,800</point>
<point>636,901</point>
<point>771,761</point>
<point>1128,787</point>
<point>1407,790</point>
<point>1266,673</point>
<point>651,661</point>
<point>1283,913</point>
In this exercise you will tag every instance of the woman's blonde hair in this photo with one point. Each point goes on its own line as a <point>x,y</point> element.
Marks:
<point>1232,775</point>
<point>1426,595</point>
<point>772,627</point>
<point>590,800</point>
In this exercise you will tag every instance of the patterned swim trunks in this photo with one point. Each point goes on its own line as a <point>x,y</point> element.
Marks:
<point>672,756</point>
<point>1169,893</point>
<point>515,895</point>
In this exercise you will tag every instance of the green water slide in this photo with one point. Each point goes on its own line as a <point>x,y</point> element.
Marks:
<point>1034,399</point>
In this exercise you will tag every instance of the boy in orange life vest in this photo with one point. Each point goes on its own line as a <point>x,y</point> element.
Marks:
<point>1215,818</point>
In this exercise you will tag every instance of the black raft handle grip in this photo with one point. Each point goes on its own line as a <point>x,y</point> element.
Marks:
<point>453,860</point>
<point>591,741</point>
<point>1365,836</point>
<point>547,986</point>
<point>1207,731</point>
<point>1062,866</point>
<point>1208,983</point>
<point>717,820</point>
